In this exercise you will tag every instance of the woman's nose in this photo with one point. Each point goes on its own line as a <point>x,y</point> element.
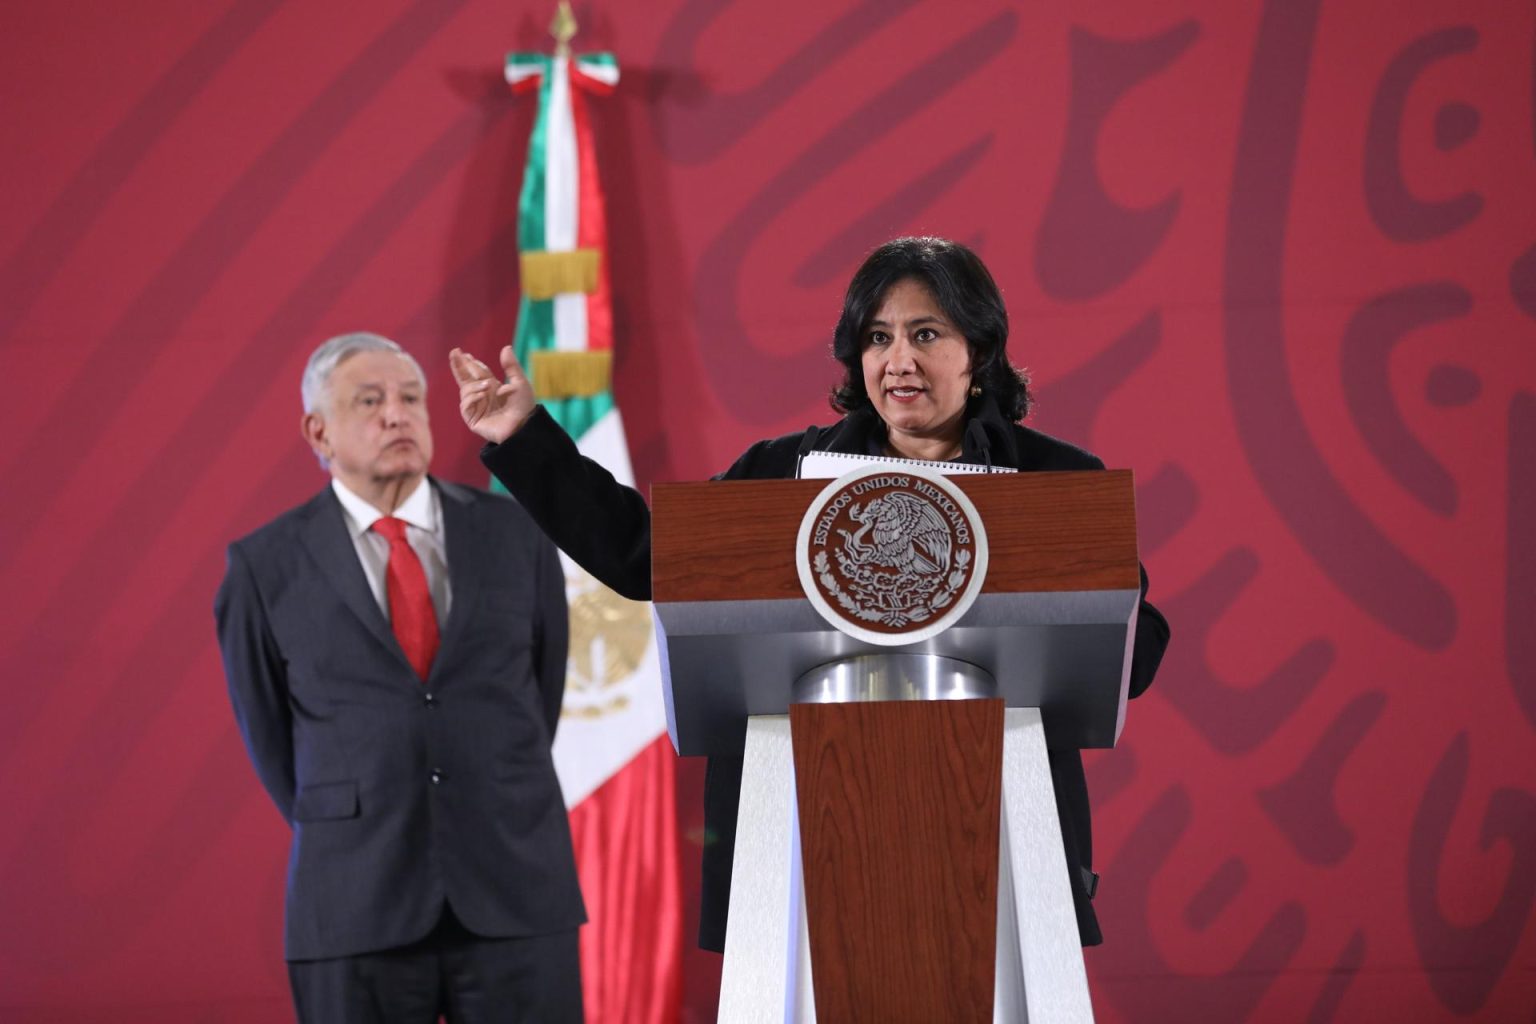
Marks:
<point>898,358</point>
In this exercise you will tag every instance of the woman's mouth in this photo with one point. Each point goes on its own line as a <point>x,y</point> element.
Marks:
<point>904,394</point>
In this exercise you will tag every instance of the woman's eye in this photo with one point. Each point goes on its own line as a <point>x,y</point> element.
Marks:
<point>879,338</point>
<point>927,334</point>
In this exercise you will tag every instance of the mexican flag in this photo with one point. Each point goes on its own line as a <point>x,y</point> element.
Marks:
<point>615,761</point>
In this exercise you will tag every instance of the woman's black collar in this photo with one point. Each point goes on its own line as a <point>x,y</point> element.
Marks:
<point>989,438</point>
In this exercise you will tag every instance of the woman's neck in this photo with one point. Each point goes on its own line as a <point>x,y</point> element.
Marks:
<point>924,449</point>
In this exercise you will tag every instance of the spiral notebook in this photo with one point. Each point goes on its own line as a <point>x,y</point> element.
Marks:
<point>830,465</point>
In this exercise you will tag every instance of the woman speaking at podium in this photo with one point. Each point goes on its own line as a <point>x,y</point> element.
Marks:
<point>922,341</point>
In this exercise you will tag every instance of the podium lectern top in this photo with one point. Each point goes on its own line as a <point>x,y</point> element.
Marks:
<point>1053,623</point>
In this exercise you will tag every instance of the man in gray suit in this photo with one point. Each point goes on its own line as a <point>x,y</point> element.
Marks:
<point>395,650</point>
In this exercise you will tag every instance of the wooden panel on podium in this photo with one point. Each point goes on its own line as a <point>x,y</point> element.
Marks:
<point>899,811</point>
<point>1050,532</point>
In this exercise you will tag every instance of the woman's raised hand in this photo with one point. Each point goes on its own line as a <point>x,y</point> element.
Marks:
<point>491,408</point>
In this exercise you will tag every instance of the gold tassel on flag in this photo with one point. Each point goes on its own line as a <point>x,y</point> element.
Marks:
<point>547,274</point>
<point>559,374</point>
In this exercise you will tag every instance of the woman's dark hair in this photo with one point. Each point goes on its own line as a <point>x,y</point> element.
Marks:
<point>964,290</point>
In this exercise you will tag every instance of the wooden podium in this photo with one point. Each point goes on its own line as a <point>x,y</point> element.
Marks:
<point>898,853</point>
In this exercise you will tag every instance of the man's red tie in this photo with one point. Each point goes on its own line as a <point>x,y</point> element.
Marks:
<point>410,601</point>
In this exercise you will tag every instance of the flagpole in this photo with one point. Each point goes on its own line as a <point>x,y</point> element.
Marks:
<point>611,751</point>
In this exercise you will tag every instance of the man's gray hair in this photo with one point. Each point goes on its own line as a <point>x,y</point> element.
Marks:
<point>316,385</point>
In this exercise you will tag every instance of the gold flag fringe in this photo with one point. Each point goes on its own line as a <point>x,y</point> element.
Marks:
<point>559,374</point>
<point>547,274</point>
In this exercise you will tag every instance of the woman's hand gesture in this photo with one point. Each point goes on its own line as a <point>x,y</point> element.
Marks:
<point>491,408</point>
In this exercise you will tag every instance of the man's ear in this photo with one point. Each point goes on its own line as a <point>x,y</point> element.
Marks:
<point>312,426</point>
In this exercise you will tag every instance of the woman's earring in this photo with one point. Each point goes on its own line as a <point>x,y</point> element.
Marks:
<point>975,390</point>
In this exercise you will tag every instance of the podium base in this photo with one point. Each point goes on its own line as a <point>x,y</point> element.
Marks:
<point>1039,973</point>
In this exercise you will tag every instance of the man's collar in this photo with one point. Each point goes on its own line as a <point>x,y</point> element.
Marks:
<point>419,509</point>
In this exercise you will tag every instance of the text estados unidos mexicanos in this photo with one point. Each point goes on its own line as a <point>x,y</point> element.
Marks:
<point>951,511</point>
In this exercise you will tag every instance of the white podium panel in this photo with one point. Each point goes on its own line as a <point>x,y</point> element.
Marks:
<point>766,977</point>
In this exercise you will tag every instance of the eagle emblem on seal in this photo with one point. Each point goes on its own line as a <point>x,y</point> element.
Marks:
<point>905,534</point>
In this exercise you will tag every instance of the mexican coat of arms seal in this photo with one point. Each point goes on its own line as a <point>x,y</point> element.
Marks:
<point>891,554</point>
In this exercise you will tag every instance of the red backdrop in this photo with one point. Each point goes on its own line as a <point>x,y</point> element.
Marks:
<point>1279,258</point>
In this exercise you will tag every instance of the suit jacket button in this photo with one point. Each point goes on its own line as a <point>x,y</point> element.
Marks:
<point>429,699</point>
<point>437,776</point>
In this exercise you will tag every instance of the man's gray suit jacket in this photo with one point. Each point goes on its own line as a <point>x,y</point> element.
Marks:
<point>404,795</point>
